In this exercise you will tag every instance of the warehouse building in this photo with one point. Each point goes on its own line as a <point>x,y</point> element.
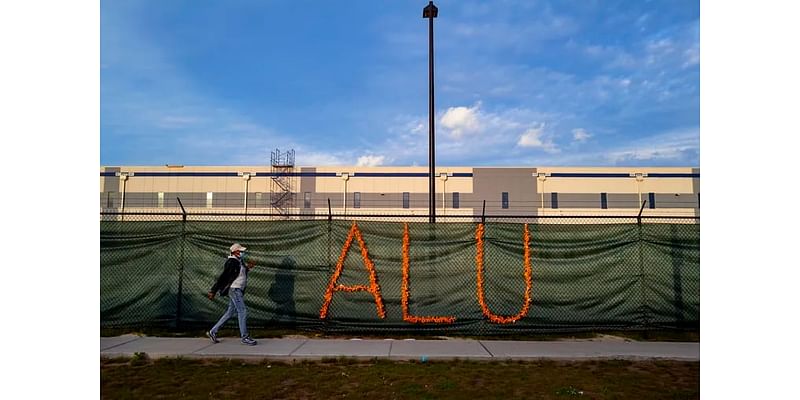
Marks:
<point>285,189</point>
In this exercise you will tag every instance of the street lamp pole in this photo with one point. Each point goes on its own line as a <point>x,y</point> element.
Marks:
<point>430,12</point>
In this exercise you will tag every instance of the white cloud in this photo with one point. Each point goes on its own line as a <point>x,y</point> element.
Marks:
<point>318,159</point>
<point>370,161</point>
<point>532,138</point>
<point>642,20</point>
<point>500,29</point>
<point>494,143</point>
<point>673,145</point>
<point>664,45</point>
<point>177,121</point>
<point>670,49</point>
<point>612,56</point>
<point>461,120</point>
<point>692,55</point>
<point>580,135</point>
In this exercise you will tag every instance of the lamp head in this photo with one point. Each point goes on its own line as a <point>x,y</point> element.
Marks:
<point>430,11</point>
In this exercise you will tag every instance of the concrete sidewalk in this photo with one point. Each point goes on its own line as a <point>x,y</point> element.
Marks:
<point>314,349</point>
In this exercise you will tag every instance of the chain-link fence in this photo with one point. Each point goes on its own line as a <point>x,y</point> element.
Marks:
<point>369,273</point>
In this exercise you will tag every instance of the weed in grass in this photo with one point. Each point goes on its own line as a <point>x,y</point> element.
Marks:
<point>140,358</point>
<point>413,389</point>
<point>113,361</point>
<point>569,391</point>
<point>338,360</point>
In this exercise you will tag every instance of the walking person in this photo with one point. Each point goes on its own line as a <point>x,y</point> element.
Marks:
<point>232,283</point>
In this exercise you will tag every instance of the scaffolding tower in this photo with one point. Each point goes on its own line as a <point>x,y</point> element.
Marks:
<point>282,194</point>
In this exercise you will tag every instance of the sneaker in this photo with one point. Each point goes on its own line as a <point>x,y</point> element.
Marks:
<point>248,341</point>
<point>212,336</point>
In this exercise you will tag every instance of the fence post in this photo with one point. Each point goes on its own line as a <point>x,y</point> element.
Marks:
<point>432,248</point>
<point>330,219</point>
<point>483,213</point>
<point>180,267</point>
<point>326,321</point>
<point>639,217</point>
<point>643,306</point>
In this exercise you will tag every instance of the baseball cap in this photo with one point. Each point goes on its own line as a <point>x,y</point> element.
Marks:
<point>237,246</point>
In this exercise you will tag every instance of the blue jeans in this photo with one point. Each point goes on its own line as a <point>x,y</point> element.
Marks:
<point>236,305</point>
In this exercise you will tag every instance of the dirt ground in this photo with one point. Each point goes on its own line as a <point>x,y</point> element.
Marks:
<point>142,378</point>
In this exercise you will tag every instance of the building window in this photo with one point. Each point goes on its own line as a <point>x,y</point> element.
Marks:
<point>160,199</point>
<point>406,200</point>
<point>356,199</point>
<point>110,196</point>
<point>604,201</point>
<point>209,199</point>
<point>505,199</point>
<point>307,200</point>
<point>456,200</point>
<point>651,198</point>
<point>258,199</point>
<point>553,200</point>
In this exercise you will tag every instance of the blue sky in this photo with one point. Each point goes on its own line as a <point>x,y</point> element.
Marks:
<point>518,83</point>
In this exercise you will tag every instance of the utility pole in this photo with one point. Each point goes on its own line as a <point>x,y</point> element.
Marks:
<point>430,12</point>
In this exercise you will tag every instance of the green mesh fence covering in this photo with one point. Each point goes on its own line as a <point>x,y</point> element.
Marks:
<point>584,274</point>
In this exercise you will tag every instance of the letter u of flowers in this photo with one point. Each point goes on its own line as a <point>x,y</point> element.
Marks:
<point>499,319</point>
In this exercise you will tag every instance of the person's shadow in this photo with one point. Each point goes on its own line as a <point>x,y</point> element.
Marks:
<point>282,293</point>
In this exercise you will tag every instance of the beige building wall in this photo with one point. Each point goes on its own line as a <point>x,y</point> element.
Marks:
<point>676,190</point>
<point>363,184</point>
<point>617,185</point>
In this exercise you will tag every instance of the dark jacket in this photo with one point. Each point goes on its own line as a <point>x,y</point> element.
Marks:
<point>229,274</point>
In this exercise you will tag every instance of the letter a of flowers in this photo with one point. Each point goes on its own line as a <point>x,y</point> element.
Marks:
<point>373,287</point>
<point>498,319</point>
<point>404,300</point>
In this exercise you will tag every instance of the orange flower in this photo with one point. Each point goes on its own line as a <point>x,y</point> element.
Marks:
<point>404,291</point>
<point>373,287</point>
<point>498,319</point>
